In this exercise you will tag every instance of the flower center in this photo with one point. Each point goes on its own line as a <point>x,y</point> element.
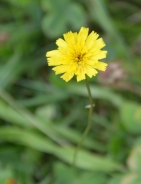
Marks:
<point>79,57</point>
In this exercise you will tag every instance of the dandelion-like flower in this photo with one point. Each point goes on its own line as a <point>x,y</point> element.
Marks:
<point>78,54</point>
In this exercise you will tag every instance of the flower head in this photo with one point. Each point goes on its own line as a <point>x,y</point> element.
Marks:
<point>78,54</point>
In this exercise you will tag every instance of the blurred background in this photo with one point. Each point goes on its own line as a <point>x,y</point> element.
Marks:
<point>42,117</point>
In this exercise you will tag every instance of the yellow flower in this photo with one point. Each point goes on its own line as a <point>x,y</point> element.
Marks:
<point>78,54</point>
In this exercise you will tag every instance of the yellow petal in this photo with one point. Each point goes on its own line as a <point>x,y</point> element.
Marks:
<point>90,39</point>
<point>65,68</point>
<point>61,43</point>
<point>90,71</point>
<point>99,43</point>
<point>70,37</point>
<point>60,69</point>
<point>54,62</point>
<point>100,66</point>
<point>91,62</point>
<point>53,53</point>
<point>67,76</point>
<point>81,76</point>
<point>102,54</point>
<point>83,34</point>
<point>80,73</point>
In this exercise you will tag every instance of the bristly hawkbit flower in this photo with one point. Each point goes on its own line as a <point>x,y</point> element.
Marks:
<point>78,54</point>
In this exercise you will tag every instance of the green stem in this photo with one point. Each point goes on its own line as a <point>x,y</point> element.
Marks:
<point>88,125</point>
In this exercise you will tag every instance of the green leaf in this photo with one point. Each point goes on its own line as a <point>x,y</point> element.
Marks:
<point>60,177</point>
<point>54,5</point>
<point>22,117</point>
<point>130,113</point>
<point>54,24</point>
<point>70,177</point>
<point>5,174</point>
<point>131,178</point>
<point>116,179</point>
<point>9,71</point>
<point>100,14</point>
<point>134,159</point>
<point>30,118</point>
<point>46,112</point>
<point>76,16</point>
<point>97,92</point>
<point>19,3</point>
<point>88,161</point>
<point>9,114</point>
<point>91,178</point>
<point>85,159</point>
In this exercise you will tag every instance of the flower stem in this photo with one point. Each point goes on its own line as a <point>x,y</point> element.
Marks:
<point>88,125</point>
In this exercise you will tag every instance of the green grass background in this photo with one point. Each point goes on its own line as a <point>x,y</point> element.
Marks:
<point>42,117</point>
